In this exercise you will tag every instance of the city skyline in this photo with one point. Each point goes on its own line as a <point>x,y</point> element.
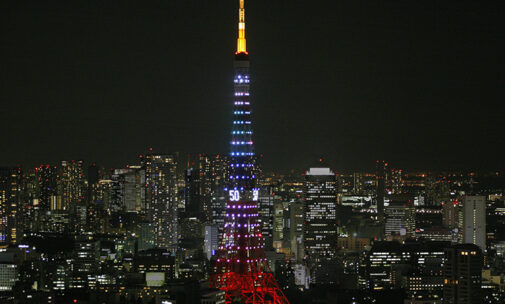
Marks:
<point>418,85</point>
<point>127,194</point>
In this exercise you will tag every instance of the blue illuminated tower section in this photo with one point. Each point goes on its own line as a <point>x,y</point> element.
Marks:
<point>241,266</point>
<point>242,171</point>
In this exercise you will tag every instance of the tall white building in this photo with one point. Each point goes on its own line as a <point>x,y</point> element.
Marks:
<point>320,212</point>
<point>474,221</point>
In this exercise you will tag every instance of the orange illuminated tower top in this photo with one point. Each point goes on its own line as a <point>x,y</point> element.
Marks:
<point>241,44</point>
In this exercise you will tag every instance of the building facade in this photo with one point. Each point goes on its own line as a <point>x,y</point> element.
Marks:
<point>161,198</point>
<point>320,214</point>
<point>474,221</point>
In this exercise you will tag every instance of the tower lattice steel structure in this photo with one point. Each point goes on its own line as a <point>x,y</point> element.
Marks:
<point>241,267</point>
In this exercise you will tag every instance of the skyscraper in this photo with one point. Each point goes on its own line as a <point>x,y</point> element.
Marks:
<point>474,221</point>
<point>218,196</point>
<point>241,267</point>
<point>161,198</point>
<point>71,184</point>
<point>381,188</point>
<point>47,178</point>
<point>463,274</point>
<point>192,193</point>
<point>10,179</point>
<point>129,184</point>
<point>320,227</point>
<point>266,215</point>
<point>71,192</point>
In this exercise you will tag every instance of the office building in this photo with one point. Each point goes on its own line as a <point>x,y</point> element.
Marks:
<point>10,215</point>
<point>211,241</point>
<point>320,211</point>
<point>400,219</point>
<point>474,221</point>
<point>161,198</point>
<point>463,274</point>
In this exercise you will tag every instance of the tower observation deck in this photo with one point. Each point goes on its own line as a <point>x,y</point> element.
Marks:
<point>241,267</point>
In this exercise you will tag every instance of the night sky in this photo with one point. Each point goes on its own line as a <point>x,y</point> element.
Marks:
<point>418,83</point>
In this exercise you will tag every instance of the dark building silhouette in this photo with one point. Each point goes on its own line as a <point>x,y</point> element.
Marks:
<point>381,188</point>
<point>463,274</point>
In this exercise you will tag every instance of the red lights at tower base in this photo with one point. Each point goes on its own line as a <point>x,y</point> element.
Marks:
<point>251,288</point>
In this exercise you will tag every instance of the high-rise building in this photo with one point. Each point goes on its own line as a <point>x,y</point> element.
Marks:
<point>320,227</point>
<point>219,167</point>
<point>400,219</point>
<point>129,189</point>
<point>193,198</point>
<point>463,274</point>
<point>396,181</point>
<point>278,224</point>
<point>161,198</point>
<point>72,194</point>
<point>266,215</point>
<point>357,183</point>
<point>211,241</point>
<point>242,269</point>
<point>381,176</point>
<point>296,211</point>
<point>29,197</point>
<point>206,182</point>
<point>474,221</point>
<point>71,184</point>
<point>451,212</point>
<point>10,187</point>
<point>47,177</point>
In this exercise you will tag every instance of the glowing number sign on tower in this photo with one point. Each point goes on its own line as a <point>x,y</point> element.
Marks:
<point>241,267</point>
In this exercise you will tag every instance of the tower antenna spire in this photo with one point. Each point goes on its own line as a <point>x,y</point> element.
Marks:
<point>241,43</point>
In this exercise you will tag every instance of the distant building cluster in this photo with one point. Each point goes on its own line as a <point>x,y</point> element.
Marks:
<point>150,232</point>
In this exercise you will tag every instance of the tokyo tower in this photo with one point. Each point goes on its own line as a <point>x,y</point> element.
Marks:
<point>241,267</point>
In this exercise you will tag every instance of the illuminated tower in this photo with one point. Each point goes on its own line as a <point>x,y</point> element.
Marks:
<point>241,267</point>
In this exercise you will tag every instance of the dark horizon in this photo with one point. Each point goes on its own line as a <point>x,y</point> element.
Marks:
<point>417,84</point>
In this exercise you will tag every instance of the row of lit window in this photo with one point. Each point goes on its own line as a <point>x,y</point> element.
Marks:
<point>238,261</point>
<point>241,132</point>
<point>238,247</point>
<point>241,94</point>
<point>241,122</point>
<point>239,225</point>
<point>241,112</point>
<point>239,143</point>
<point>241,165</point>
<point>242,177</point>
<point>240,235</point>
<point>242,215</point>
<point>241,81</point>
<point>241,103</point>
<point>240,207</point>
<point>235,188</point>
<point>241,153</point>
